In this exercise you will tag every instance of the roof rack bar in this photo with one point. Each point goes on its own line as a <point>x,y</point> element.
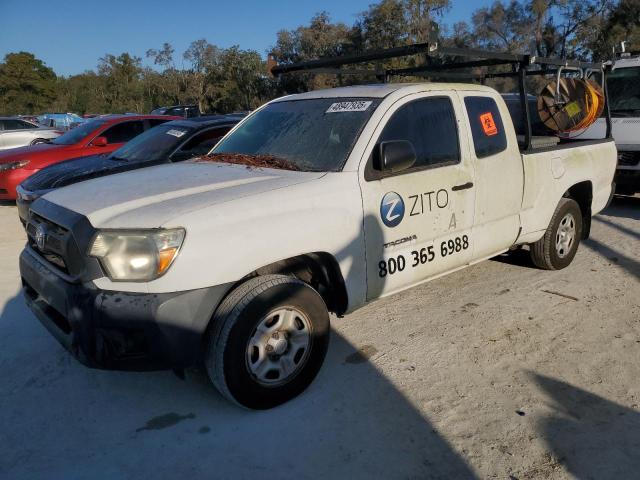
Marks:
<point>486,58</point>
<point>344,71</point>
<point>524,103</point>
<point>448,66</point>
<point>559,62</point>
<point>476,53</point>
<point>366,56</point>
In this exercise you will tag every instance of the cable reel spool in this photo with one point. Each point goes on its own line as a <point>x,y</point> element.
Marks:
<point>570,104</point>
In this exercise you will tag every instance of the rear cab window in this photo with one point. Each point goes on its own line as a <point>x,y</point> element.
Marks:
<point>487,128</point>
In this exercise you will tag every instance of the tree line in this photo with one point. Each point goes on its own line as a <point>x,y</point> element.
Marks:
<point>224,80</point>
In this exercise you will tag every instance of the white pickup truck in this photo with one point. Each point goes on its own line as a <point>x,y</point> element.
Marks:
<point>315,203</point>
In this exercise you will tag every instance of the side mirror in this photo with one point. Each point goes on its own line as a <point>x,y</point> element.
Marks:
<point>396,155</point>
<point>99,142</point>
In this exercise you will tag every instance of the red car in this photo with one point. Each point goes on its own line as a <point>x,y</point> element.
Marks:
<point>102,135</point>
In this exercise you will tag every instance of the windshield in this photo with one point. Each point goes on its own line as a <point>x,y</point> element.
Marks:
<point>313,135</point>
<point>77,134</point>
<point>154,144</point>
<point>624,90</point>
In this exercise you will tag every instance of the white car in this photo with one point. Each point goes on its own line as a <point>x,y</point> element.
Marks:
<point>17,132</point>
<point>315,203</point>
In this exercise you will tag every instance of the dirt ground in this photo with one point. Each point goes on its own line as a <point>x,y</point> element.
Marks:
<point>498,371</point>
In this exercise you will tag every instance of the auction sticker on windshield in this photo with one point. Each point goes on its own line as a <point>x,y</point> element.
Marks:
<point>176,133</point>
<point>356,106</point>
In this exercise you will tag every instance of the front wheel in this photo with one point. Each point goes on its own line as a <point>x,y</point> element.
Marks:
<point>268,341</point>
<point>556,249</point>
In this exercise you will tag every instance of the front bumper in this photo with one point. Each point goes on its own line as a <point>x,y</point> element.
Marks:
<point>119,330</point>
<point>10,179</point>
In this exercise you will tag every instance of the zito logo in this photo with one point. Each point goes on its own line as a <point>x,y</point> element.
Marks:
<point>392,209</point>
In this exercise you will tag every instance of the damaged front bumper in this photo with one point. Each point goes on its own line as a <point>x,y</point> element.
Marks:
<point>119,330</point>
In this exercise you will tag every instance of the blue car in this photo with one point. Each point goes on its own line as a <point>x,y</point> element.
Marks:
<point>61,121</point>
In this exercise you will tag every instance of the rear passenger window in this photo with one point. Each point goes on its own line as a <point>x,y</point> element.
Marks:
<point>123,132</point>
<point>16,125</point>
<point>430,125</point>
<point>486,126</point>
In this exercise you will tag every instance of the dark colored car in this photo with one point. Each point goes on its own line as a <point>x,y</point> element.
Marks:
<point>102,135</point>
<point>541,135</point>
<point>170,142</point>
<point>186,111</point>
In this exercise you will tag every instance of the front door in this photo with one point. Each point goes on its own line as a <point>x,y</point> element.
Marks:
<point>418,221</point>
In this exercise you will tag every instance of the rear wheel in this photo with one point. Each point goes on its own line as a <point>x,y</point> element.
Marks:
<point>268,341</point>
<point>556,249</point>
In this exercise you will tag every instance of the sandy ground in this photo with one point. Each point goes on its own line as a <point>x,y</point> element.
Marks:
<point>497,371</point>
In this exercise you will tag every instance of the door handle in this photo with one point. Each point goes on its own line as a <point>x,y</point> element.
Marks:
<point>464,186</point>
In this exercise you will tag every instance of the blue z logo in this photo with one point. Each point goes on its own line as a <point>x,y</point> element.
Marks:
<point>392,209</point>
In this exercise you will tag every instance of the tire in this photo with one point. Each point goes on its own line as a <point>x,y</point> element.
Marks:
<point>37,141</point>
<point>555,251</point>
<point>250,325</point>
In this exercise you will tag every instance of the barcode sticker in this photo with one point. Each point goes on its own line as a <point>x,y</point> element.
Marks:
<point>176,133</point>
<point>356,106</point>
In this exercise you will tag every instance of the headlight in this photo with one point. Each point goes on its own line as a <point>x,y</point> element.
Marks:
<point>27,196</point>
<point>136,255</point>
<point>13,165</point>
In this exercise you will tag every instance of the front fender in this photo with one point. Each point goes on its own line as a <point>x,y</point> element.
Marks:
<point>226,242</point>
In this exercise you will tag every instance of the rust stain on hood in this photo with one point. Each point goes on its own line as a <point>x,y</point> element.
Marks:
<point>250,161</point>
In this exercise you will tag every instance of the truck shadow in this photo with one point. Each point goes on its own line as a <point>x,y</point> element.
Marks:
<point>623,207</point>
<point>518,258</point>
<point>590,435</point>
<point>63,420</point>
<point>612,253</point>
<point>624,261</point>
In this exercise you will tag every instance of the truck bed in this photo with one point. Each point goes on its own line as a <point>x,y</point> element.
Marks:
<point>549,176</point>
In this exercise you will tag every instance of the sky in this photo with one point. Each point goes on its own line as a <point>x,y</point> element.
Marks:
<point>71,35</point>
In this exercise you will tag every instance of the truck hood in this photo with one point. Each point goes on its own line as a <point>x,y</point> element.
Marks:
<point>151,197</point>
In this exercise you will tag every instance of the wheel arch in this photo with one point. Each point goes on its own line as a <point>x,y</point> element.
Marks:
<point>582,193</point>
<point>320,270</point>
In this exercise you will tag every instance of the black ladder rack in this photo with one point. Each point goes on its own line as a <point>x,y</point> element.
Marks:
<point>522,65</point>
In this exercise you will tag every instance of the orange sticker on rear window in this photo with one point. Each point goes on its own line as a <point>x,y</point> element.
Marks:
<point>488,125</point>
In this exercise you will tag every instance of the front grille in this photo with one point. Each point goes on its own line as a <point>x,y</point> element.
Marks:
<point>628,159</point>
<point>56,240</point>
<point>3,191</point>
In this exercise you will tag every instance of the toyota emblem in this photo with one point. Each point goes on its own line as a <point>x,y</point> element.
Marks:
<point>41,236</point>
